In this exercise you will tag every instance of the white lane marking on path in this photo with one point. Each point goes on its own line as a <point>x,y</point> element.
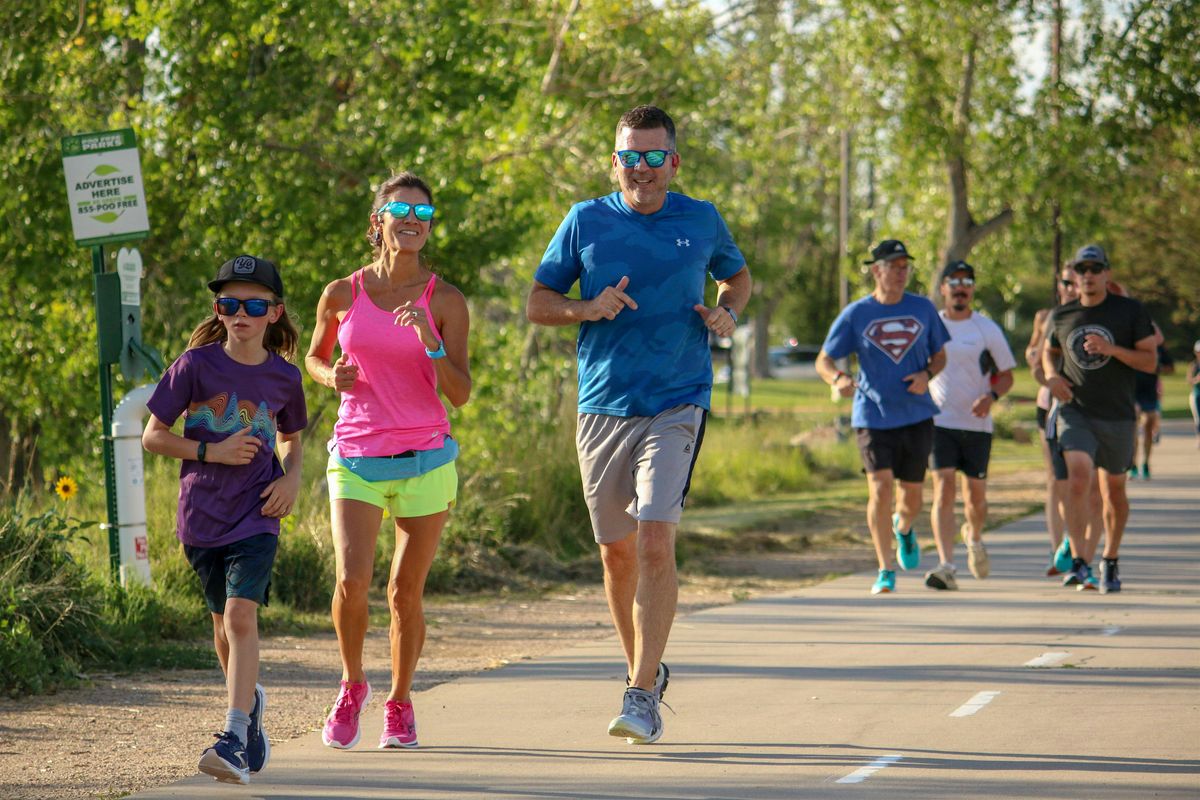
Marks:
<point>974,704</point>
<point>1046,660</point>
<point>862,773</point>
<point>1111,630</point>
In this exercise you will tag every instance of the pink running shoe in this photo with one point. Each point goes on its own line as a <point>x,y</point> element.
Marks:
<point>341,726</point>
<point>399,725</point>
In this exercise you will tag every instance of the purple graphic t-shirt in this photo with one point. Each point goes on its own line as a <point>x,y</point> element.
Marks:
<point>220,503</point>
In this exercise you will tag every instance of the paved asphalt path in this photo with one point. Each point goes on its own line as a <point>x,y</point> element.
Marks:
<point>1012,687</point>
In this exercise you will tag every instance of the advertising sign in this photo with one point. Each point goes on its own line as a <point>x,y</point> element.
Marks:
<point>104,187</point>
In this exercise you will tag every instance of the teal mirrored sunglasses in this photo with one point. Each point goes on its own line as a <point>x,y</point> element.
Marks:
<point>654,158</point>
<point>421,211</point>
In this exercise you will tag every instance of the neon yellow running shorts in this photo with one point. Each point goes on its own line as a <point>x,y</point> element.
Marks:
<point>431,493</point>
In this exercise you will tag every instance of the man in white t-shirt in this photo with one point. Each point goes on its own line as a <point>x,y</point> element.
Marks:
<point>979,365</point>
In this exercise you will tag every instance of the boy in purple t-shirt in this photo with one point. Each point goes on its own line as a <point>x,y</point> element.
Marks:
<point>243,405</point>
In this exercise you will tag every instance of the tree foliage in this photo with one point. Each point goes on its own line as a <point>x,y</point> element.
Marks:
<point>264,127</point>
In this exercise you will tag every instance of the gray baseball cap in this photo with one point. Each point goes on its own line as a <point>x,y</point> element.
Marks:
<point>1090,253</point>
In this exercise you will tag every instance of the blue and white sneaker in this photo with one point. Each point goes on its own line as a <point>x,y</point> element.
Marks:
<point>258,746</point>
<point>639,721</point>
<point>226,760</point>
<point>1077,574</point>
<point>661,679</point>
<point>885,583</point>
<point>908,553</point>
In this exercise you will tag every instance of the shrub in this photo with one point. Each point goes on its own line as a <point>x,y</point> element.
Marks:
<point>49,608</point>
<point>303,573</point>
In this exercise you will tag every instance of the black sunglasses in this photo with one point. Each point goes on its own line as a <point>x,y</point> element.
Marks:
<point>255,306</point>
<point>1090,266</point>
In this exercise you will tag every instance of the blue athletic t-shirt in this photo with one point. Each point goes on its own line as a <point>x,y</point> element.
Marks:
<point>652,358</point>
<point>890,342</point>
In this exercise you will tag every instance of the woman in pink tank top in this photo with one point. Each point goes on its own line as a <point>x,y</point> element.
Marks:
<point>402,333</point>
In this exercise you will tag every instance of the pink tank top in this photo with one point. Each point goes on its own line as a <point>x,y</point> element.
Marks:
<point>394,404</point>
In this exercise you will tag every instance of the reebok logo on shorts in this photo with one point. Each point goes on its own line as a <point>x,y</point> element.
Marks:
<point>895,336</point>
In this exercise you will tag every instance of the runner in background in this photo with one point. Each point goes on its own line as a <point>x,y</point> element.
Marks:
<point>1193,376</point>
<point>900,343</point>
<point>1096,345</point>
<point>1066,290</point>
<point>1147,395</point>
<point>979,365</point>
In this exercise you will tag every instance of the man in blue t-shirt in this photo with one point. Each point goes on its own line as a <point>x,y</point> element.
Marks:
<point>899,340</point>
<point>641,257</point>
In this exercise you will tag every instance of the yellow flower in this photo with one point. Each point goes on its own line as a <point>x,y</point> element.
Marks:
<point>66,487</point>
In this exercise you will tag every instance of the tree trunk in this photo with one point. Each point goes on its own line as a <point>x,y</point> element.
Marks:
<point>962,231</point>
<point>18,456</point>
<point>764,309</point>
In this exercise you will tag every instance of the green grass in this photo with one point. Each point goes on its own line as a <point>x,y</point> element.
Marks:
<point>1175,394</point>
<point>786,463</point>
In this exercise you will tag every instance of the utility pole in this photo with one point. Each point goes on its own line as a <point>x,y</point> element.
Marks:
<point>843,243</point>
<point>869,225</point>
<point>1055,117</point>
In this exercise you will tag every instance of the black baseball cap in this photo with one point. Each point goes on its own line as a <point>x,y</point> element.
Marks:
<point>251,269</point>
<point>887,250</point>
<point>1090,253</point>
<point>958,266</point>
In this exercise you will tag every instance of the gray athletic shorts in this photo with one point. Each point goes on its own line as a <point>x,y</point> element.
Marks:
<point>1108,442</point>
<point>637,468</point>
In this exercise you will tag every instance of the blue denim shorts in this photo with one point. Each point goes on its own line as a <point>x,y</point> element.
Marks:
<point>238,569</point>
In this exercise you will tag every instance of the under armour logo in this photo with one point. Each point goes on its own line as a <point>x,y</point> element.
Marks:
<point>683,242</point>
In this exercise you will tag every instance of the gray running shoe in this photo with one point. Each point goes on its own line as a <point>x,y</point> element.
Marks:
<point>640,721</point>
<point>941,577</point>
<point>1109,577</point>
<point>978,561</point>
<point>661,679</point>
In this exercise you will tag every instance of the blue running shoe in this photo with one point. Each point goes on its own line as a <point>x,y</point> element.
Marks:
<point>907,551</point>
<point>640,721</point>
<point>885,583</point>
<point>1110,580</point>
<point>1088,581</point>
<point>1063,560</point>
<point>1077,574</point>
<point>258,746</point>
<point>226,760</point>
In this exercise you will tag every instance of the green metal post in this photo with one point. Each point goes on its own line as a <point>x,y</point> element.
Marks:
<point>106,411</point>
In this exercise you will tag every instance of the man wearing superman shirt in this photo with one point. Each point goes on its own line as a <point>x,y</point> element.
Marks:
<point>899,340</point>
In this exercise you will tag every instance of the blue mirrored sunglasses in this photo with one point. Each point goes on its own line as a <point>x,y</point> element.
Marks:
<point>421,211</point>
<point>255,306</point>
<point>654,158</point>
